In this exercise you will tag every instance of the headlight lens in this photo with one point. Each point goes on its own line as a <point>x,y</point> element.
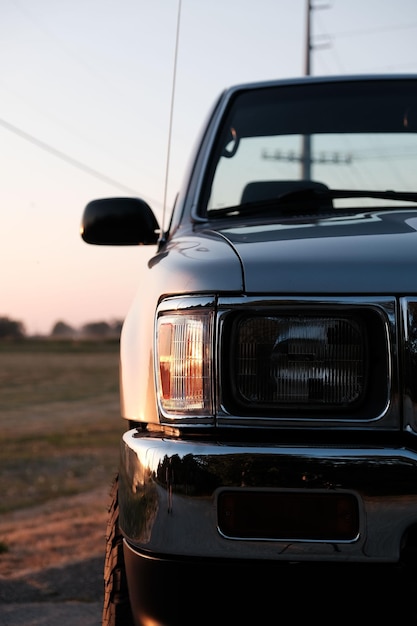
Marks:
<point>310,361</point>
<point>184,362</point>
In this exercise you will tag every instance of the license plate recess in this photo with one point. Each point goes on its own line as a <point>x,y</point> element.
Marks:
<point>288,515</point>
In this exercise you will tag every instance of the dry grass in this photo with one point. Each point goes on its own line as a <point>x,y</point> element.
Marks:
<point>59,420</point>
<point>60,429</point>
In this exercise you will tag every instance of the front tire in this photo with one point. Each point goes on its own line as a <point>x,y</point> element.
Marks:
<point>116,606</point>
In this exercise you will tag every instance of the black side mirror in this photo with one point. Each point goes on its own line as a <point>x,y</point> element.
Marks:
<point>119,222</point>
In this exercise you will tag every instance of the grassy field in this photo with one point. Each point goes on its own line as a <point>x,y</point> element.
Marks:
<point>59,419</point>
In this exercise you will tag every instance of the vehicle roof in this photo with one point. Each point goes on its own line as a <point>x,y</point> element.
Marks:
<point>303,80</point>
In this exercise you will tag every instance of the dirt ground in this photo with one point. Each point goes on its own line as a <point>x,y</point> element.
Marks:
<point>55,551</point>
<point>59,436</point>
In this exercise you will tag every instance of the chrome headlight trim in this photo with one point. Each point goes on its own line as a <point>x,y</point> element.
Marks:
<point>184,364</point>
<point>222,309</point>
<point>385,417</point>
<point>408,333</point>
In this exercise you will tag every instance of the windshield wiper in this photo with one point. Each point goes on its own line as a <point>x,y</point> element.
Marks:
<point>311,199</point>
<point>409,196</point>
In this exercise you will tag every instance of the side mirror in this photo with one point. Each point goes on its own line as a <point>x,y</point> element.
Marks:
<point>119,222</point>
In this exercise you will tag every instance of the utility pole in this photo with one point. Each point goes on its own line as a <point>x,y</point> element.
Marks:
<point>306,160</point>
<point>308,46</point>
<point>306,150</point>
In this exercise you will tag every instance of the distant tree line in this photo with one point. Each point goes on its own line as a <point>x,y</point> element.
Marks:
<point>11,329</point>
<point>98,330</point>
<point>14,329</point>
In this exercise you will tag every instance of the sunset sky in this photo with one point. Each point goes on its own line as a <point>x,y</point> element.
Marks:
<point>85,97</point>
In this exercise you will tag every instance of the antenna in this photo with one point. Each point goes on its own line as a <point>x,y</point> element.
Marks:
<point>171,114</point>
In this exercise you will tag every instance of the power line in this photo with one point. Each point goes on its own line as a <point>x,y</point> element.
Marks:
<point>34,19</point>
<point>368,31</point>
<point>64,157</point>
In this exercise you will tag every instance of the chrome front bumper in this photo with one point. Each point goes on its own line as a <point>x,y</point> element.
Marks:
<point>169,493</point>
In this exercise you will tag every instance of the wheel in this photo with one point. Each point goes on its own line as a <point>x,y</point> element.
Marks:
<point>116,607</point>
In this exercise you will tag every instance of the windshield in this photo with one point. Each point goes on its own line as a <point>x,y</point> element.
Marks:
<point>335,136</point>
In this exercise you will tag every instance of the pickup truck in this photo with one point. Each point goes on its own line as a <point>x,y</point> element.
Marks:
<point>268,365</point>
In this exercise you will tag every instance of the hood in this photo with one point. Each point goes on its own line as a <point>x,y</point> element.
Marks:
<point>369,252</point>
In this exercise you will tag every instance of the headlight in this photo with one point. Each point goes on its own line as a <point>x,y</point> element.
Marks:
<point>300,360</point>
<point>184,362</point>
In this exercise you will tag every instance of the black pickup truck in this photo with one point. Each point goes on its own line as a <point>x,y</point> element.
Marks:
<point>268,365</point>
